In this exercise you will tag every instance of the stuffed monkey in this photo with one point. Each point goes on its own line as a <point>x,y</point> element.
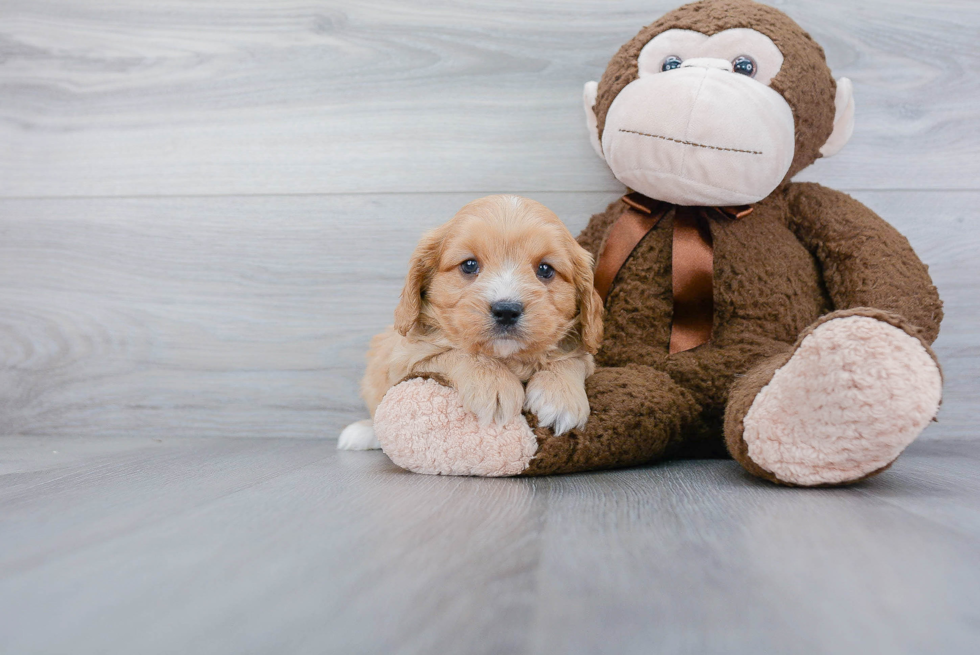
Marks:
<point>784,324</point>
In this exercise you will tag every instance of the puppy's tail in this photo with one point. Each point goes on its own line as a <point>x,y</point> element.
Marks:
<point>358,436</point>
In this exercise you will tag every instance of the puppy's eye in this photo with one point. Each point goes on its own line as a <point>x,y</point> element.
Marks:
<point>670,63</point>
<point>545,272</point>
<point>470,267</point>
<point>744,65</point>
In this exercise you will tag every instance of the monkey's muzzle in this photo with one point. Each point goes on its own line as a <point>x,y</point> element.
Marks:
<point>700,135</point>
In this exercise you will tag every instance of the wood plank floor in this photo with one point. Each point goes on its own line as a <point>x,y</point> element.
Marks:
<point>206,209</point>
<point>288,546</point>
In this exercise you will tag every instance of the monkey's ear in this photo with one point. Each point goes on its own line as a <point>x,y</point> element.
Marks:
<point>589,95</point>
<point>843,119</point>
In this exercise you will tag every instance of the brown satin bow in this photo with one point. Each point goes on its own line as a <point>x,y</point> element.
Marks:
<point>692,261</point>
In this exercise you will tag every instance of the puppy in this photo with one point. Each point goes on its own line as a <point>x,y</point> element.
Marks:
<point>498,298</point>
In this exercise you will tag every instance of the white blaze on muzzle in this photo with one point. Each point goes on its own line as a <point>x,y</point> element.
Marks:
<point>502,286</point>
<point>700,135</point>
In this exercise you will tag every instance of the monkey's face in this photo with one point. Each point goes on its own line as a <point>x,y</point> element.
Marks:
<point>700,123</point>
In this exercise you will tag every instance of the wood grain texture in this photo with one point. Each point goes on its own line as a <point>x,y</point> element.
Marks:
<point>251,316</point>
<point>288,546</point>
<point>181,97</point>
<point>202,317</point>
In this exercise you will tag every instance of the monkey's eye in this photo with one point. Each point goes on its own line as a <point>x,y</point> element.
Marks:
<point>744,65</point>
<point>670,63</point>
<point>470,267</point>
<point>545,271</point>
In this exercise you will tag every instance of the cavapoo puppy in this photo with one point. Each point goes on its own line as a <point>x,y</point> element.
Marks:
<point>498,298</point>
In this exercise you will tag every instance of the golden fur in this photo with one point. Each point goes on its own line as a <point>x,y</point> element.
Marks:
<point>443,323</point>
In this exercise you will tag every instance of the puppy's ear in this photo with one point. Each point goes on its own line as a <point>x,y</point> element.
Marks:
<point>589,303</point>
<point>422,266</point>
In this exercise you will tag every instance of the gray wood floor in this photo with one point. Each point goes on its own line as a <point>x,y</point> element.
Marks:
<point>206,210</point>
<point>288,546</point>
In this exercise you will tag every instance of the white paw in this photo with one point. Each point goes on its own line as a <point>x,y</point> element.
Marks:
<point>358,436</point>
<point>557,404</point>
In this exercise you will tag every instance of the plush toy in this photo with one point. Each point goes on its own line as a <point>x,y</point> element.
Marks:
<point>783,323</point>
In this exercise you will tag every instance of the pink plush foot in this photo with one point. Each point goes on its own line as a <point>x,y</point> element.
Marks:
<point>423,427</point>
<point>855,393</point>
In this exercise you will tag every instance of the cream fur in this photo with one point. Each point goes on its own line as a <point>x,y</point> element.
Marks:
<point>855,393</point>
<point>423,427</point>
<point>556,398</point>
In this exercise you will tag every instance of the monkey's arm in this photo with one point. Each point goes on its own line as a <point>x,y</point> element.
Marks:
<point>865,261</point>
<point>594,233</point>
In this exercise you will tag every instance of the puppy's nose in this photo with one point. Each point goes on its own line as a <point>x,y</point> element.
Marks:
<point>506,312</point>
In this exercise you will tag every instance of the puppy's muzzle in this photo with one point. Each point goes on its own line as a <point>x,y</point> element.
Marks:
<point>506,313</point>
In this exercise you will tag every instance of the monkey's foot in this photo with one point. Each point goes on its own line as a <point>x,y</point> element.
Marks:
<point>853,395</point>
<point>423,427</point>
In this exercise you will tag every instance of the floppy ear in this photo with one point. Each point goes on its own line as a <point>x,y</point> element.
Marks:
<point>423,264</point>
<point>589,303</point>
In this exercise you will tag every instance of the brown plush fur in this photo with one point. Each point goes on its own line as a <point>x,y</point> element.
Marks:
<point>775,281</point>
<point>805,255</point>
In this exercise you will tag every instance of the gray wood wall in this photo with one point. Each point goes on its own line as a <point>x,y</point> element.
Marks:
<point>206,208</point>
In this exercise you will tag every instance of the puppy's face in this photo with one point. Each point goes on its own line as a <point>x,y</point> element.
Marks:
<point>503,277</point>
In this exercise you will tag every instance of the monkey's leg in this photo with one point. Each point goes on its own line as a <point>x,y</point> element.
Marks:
<point>839,406</point>
<point>635,413</point>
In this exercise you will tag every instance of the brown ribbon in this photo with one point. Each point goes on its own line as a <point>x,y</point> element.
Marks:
<point>641,216</point>
<point>692,261</point>
<point>692,267</point>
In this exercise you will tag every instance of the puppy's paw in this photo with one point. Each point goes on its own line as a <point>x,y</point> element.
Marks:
<point>494,400</point>
<point>358,436</point>
<point>557,402</point>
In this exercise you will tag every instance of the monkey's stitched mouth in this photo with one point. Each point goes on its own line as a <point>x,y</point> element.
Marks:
<point>691,143</point>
